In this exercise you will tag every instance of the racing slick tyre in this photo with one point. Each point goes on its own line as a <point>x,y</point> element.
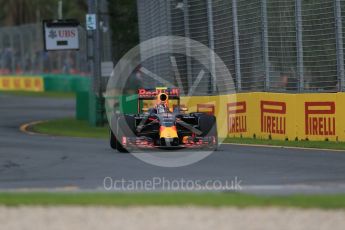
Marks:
<point>120,148</point>
<point>115,144</point>
<point>113,140</point>
<point>207,124</point>
<point>125,128</point>
<point>113,126</point>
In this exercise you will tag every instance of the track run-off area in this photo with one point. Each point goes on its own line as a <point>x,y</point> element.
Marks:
<point>41,162</point>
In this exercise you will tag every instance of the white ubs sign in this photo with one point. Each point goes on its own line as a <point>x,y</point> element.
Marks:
<point>61,35</point>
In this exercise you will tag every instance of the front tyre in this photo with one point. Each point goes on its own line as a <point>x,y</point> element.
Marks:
<point>120,148</point>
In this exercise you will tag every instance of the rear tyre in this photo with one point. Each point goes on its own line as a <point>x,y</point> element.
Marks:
<point>208,126</point>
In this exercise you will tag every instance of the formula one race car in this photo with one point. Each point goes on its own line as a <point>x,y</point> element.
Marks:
<point>165,124</point>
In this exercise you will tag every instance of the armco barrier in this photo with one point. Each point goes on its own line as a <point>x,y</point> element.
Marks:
<point>276,115</point>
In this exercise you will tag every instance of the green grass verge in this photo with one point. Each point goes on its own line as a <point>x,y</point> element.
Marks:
<point>169,199</point>
<point>70,127</point>
<point>302,143</point>
<point>39,94</point>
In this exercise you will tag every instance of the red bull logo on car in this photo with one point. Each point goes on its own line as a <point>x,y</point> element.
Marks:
<point>152,93</point>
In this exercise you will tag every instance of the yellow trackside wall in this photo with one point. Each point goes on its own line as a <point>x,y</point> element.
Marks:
<point>275,115</point>
<point>12,83</point>
<point>217,106</point>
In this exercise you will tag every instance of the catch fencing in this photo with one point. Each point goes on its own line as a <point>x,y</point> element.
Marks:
<point>267,45</point>
<point>22,52</point>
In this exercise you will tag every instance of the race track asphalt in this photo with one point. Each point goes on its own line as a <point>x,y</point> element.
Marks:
<point>37,162</point>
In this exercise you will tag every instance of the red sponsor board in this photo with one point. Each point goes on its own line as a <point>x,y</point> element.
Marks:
<point>27,83</point>
<point>6,83</point>
<point>16,83</point>
<point>320,122</point>
<point>38,83</point>
<point>237,118</point>
<point>273,119</point>
<point>206,108</point>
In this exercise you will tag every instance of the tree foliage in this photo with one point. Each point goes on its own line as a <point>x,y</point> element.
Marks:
<point>18,12</point>
<point>124,26</point>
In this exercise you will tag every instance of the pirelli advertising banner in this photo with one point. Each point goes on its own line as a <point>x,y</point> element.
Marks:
<point>274,118</point>
<point>322,116</point>
<point>12,83</point>
<point>276,115</point>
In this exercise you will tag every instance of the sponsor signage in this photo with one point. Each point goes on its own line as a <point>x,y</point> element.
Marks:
<point>61,35</point>
<point>22,83</point>
<point>320,118</point>
<point>91,22</point>
<point>107,68</point>
<point>152,93</point>
<point>237,118</point>
<point>316,116</point>
<point>206,108</point>
<point>273,117</point>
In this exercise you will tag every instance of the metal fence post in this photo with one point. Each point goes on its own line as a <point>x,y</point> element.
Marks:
<point>13,47</point>
<point>105,31</point>
<point>213,77</point>
<point>339,41</point>
<point>188,52</point>
<point>93,9</point>
<point>172,66</point>
<point>22,50</point>
<point>32,53</point>
<point>265,43</point>
<point>97,105</point>
<point>237,46</point>
<point>1,49</point>
<point>299,44</point>
<point>39,37</point>
<point>168,12</point>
